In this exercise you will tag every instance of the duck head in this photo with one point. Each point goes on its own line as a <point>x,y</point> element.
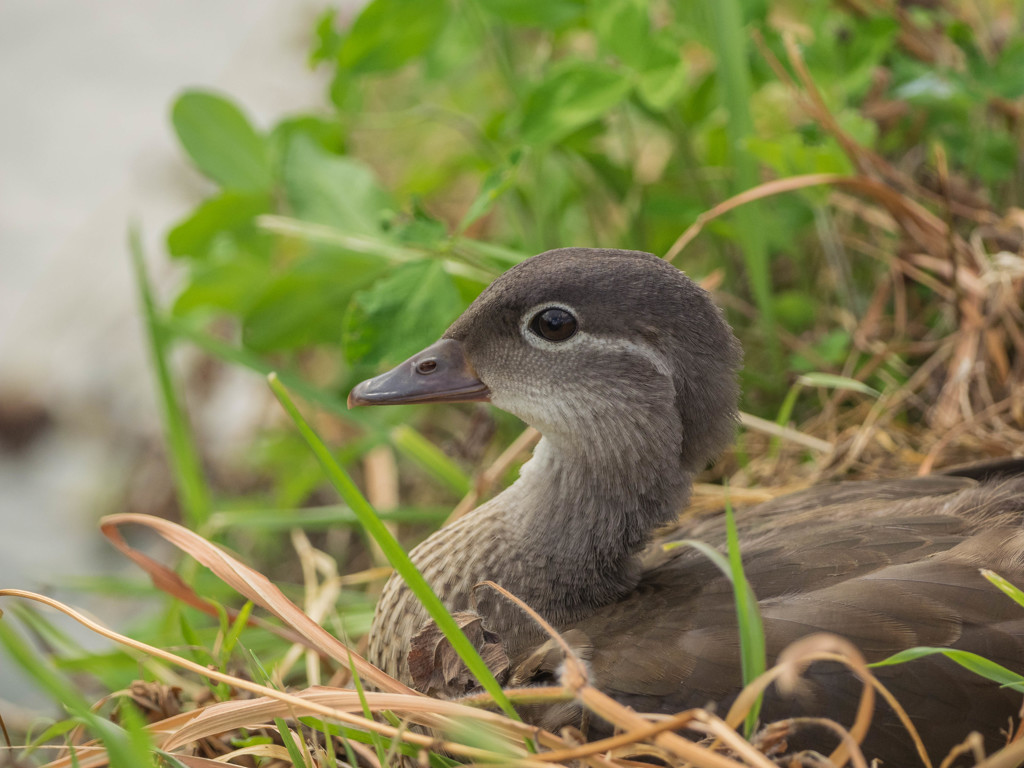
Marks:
<point>603,351</point>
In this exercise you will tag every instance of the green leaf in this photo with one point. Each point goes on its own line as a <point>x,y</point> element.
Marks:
<point>576,95</point>
<point>663,77</point>
<point>979,665</point>
<point>221,142</point>
<point>796,310</point>
<point>327,132</point>
<point>623,29</point>
<point>550,14</point>
<point>390,33</point>
<point>227,212</point>
<point>753,656</point>
<point>328,39</point>
<point>332,189</point>
<point>401,313</point>
<point>232,285</point>
<point>307,304</point>
<point>498,181</point>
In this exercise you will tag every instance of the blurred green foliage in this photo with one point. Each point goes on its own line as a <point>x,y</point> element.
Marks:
<point>478,132</point>
<point>474,134</point>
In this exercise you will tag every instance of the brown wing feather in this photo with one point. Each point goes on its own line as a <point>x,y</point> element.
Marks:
<point>888,565</point>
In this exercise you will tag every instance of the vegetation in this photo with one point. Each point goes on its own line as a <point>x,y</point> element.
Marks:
<point>846,176</point>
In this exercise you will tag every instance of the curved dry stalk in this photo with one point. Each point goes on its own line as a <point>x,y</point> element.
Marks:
<point>856,755</point>
<point>574,677</point>
<point>229,715</point>
<point>728,735</point>
<point>248,582</point>
<point>768,189</point>
<point>574,669</point>
<point>973,743</point>
<point>1010,756</point>
<point>793,660</point>
<point>825,647</point>
<point>672,723</point>
<point>306,704</point>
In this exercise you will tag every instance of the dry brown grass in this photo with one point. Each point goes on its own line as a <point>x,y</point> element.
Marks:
<point>201,734</point>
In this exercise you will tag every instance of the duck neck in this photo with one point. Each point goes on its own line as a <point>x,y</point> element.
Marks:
<point>586,505</point>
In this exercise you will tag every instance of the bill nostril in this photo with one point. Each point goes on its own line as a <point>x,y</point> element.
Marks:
<point>426,366</point>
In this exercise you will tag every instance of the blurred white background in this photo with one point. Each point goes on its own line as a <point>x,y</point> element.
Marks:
<point>86,146</point>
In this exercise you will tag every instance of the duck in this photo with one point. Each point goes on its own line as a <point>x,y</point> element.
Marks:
<point>629,371</point>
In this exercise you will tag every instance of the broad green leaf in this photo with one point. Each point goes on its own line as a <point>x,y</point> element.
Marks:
<point>390,33</point>
<point>1004,75</point>
<point>327,132</point>
<point>333,189</point>
<point>307,304</point>
<point>231,285</point>
<point>550,14</point>
<point>979,665</point>
<point>227,211</point>
<point>498,181</point>
<point>572,97</point>
<point>401,313</point>
<point>663,76</point>
<point>221,142</point>
<point>623,29</point>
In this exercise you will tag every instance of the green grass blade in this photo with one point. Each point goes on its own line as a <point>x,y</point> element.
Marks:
<point>753,658</point>
<point>295,753</point>
<point>832,381</point>
<point>235,632</point>
<point>127,747</point>
<point>416,447</point>
<point>748,615</point>
<point>735,90</point>
<point>327,516</point>
<point>188,474</point>
<point>378,743</point>
<point>1010,590</point>
<point>979,665</point>
<point>394,552</point>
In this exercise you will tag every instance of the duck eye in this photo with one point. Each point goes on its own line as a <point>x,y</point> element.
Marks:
<point>553,324</point>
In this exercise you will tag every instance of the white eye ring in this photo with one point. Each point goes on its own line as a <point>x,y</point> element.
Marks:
<point>535,338</point>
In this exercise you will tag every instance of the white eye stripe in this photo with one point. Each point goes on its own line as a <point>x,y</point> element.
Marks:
<point>628,346</point>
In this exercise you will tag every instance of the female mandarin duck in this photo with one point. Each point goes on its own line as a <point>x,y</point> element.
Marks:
<point>628,369</point>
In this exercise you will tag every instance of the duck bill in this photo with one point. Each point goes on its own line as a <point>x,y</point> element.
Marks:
<point>439,374</point>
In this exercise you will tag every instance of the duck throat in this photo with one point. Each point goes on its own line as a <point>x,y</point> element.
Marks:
<point>580,514</point>
<point>564,537</point>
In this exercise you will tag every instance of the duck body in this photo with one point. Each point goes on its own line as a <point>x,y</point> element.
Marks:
<point>628,370</point>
